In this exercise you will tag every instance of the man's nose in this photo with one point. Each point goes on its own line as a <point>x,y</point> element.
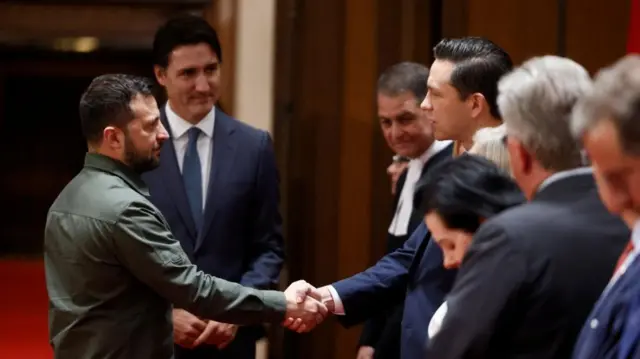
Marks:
<point>620,202</point>
<point>426,103</point>
<point>449,263</point>
<point>163,134</point>
<point>202,83</point>
<point>396,130</point>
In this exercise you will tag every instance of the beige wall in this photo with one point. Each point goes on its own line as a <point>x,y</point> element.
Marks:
<point>255,55</point>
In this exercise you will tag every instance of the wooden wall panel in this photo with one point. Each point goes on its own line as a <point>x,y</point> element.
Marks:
<point>523,28</point>
<point>313,184</point>
<point>223,15</point>
<point>357,130</point>
<point>596,31</point>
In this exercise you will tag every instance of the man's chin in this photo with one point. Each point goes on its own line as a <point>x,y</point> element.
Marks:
<point>202,108</point>
<point>147,166</point>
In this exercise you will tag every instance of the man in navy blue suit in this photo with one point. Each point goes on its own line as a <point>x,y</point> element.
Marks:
<point>461,92</point>
<point>217,185</point>
<point>607,120</point>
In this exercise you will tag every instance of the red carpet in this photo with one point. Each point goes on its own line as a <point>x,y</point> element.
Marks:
<point>23,309</point>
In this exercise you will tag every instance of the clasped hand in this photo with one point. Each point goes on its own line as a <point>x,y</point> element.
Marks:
<point>305,309</point>
<point>190,331</point>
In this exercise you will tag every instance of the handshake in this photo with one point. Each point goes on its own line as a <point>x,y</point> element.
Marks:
<point>307,306</point>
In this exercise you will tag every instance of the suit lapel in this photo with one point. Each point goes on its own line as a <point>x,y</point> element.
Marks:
<point>224,149</point>
<point>174,185</point>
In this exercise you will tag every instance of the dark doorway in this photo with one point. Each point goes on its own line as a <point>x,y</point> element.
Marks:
<point>42,146</point>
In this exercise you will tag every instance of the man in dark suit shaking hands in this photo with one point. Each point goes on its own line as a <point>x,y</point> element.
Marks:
<point>217,185</point>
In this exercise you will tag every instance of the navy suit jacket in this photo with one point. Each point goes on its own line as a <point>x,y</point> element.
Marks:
<point>413,273</point>
<point>612,330</point>
<point>241,240</point>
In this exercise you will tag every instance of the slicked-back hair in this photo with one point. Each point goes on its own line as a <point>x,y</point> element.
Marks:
<point>478,65</point>
<point>180,31</point>
<point>107,102</point>
<point>404,77</point>
<point>465,190</point>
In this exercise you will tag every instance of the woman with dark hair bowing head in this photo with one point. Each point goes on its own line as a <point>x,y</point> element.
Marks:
<point>463,193</point>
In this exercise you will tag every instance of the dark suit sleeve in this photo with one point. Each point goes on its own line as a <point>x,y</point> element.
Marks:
<point>144,245</point>
<point>488,280</point>
<point>380,287</point>
<point>267,249</point>
<point>372,330</point>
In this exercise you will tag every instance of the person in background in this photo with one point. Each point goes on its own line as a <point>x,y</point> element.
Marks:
<point>467,191</point>
<point>607,122</point>
<point>113,268</point>
<point>462,89</point>
<point>488,142</point>
<point>217,185</point>
<point>532,273</point>
<point>401,88</point>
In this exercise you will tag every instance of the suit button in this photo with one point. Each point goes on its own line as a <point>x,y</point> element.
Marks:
<point>594,323</point>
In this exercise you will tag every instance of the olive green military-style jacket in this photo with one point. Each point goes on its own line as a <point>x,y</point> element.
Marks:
<point>113,271</point>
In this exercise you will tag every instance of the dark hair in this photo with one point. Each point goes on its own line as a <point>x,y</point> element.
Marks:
<point>465,189</point>
<point>107,102</point>
<point>479,64</point>
<point>402,77</point>
<point>183,30</point>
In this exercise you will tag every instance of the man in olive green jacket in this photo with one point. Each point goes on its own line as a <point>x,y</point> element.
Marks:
<point>113,268</point>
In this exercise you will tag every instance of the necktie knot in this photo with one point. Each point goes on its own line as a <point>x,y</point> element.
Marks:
<point>193,134</point>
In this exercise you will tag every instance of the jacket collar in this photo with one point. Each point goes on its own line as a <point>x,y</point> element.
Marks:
<point>116,168</point>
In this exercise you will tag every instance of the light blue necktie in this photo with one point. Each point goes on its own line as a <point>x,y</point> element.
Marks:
<point>192,177</point>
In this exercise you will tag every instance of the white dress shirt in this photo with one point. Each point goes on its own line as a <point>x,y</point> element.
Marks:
<point>180,138</point>
<point>400,224</point>
<point>436,320</point>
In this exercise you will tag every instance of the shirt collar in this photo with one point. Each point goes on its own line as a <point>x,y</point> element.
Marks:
<point>635,236</point>
<point>117,168</point>
<point>564,174</point>
<point>180,126</point>
<point>433,150</point>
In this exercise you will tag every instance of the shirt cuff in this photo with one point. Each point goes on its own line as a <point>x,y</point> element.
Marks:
<point>338,308</point>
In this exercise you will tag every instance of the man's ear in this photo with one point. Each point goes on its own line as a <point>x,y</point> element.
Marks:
<point>524,156</point>
<point>477,103</point>
<point>112,137</point>
<point>160,73</point>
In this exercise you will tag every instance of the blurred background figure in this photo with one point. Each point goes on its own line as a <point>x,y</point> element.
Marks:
<point>607,121</point>
<point>489,142</point>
